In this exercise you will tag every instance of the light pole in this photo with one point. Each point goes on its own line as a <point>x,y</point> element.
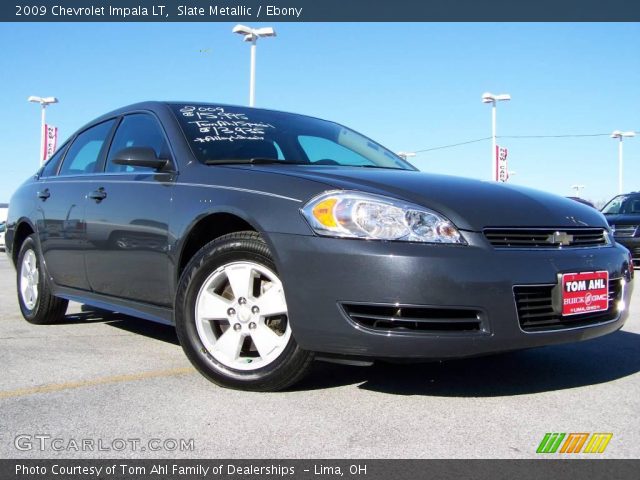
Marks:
<point>620,135</point>
<point>43,101</point>
<point>252,35</point>
<point>493,99</point>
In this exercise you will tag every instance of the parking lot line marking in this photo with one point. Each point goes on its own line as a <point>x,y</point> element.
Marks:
<point>57,387</point>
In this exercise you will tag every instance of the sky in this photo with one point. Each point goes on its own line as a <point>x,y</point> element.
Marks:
<point>412,87</point>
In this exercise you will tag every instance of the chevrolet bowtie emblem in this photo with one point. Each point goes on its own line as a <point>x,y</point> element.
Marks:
<point>560,238</point>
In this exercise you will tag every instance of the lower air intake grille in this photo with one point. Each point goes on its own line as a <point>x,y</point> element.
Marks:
<point>536,313</point>
<point>391,318</point>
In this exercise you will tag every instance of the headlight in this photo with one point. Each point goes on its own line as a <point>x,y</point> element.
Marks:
<point>362,215</point>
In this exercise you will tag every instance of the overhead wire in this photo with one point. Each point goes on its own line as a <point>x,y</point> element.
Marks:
<point>570,135</point>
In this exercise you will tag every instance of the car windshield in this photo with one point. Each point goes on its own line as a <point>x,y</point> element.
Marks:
<point>222,134</point>
<point>623,204</point>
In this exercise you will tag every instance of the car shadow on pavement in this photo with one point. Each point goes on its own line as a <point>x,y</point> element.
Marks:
<point>157,331</point>
<point>516,373</point>
<point>91,315</point>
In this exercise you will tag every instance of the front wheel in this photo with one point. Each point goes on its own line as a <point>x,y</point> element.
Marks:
<point>37,304</point>
<point>232,318</point>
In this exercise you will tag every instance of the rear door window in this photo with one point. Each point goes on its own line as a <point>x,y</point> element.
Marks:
<point>51,167</point>
<point>84,153</point>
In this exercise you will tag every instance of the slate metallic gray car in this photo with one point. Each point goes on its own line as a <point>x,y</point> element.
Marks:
<point>269,239</point>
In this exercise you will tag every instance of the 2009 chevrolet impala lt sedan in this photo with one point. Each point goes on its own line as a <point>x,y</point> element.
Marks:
<point>270,239</point>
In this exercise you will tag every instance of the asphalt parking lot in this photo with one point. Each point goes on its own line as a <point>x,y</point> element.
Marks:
<point>125,385</point>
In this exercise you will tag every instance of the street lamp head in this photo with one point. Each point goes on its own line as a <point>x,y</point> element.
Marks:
<point>242,30</point>
<point>265,32</point>
<point>252,34</point>
<point>247,32</point>
<point>42,100</point>
<point>406,155</point>
<point>488,97</point>
<point>618,134</point>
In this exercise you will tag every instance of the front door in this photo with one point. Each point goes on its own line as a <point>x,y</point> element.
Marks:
<point>127,219</point>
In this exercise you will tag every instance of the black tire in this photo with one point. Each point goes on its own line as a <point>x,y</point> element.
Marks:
<point>44,308</point>
<point>290,365</point>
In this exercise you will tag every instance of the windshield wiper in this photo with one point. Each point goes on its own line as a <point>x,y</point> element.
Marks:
<point>244,161</point>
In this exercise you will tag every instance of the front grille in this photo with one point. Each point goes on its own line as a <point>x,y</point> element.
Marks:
<point>536,312</point>
<point>546,237</point>
<point>392,318</point>
<point>624,231</point>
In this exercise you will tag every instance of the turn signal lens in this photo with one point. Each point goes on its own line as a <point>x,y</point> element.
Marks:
<point>323,212</point>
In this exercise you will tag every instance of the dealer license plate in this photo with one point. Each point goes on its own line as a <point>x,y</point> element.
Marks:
<point>585,292</point>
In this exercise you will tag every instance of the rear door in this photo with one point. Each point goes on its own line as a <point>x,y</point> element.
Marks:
<point>61,203</point>
<point>127,219</point>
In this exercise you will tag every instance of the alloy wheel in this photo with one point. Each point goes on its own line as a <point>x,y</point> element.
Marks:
<point>29,278</point>
<point>241,316</point>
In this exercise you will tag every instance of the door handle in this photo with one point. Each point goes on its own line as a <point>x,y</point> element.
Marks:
<point>98,195</point>
<point>44,194</point>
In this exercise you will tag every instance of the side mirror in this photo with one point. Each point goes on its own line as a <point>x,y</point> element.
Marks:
<point>139,157</point>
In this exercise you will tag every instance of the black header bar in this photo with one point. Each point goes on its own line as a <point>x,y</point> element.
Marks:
<point>320,11</point>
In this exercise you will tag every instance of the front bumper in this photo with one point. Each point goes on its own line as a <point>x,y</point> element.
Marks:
<point>321,275</point>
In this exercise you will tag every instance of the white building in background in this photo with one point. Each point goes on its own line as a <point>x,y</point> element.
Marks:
<point>4,210</point>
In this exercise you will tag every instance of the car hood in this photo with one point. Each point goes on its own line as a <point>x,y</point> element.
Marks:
<point>470,204</point>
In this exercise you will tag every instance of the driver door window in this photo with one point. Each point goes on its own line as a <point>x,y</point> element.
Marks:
<point>137,130</point>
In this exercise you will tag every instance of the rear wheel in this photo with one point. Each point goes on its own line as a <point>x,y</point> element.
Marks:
<point>232,318</point>
<point>37,304</point>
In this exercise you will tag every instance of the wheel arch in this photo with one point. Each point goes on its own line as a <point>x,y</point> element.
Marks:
<point>206,229</point>
<point>23,229</point>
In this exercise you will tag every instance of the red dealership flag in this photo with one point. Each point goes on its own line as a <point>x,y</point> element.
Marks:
<point>50,141</point>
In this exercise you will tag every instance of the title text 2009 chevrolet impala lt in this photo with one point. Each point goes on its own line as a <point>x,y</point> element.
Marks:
<point>270,238</point>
